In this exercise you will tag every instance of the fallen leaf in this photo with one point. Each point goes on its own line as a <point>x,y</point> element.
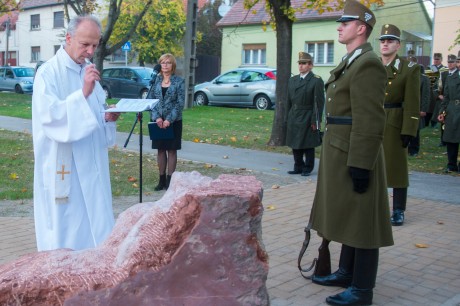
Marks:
<point>233,138</point>
<point>275,169</point>
<point>14,176</point>
<point>421,245</point>
<point>440,222</point>
<point>270,207</point>
<point>132,179</point>
<point>135,185</point>
<point>196,139</point>
<point>225,157</point>
<point>275,186</point>
<point>208,166</point>
<point>24,189</point>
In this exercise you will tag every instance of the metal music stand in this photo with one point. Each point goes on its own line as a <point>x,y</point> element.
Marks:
<point>139,116</point>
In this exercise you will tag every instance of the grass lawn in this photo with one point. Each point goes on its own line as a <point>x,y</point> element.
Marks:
<point>236,127</point>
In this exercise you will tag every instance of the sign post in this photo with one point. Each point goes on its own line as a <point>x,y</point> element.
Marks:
<point>126,47</point>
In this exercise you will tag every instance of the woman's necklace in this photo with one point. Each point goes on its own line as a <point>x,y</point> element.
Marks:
<point>166,82</point>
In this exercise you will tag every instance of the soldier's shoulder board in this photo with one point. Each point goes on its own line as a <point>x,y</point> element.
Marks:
<point>317,76</point>
<point>411,64</point>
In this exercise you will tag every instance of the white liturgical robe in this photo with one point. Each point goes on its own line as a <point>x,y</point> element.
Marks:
<point>72,193</point>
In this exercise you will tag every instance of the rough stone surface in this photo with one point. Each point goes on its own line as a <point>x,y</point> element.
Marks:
<point>201,244</point>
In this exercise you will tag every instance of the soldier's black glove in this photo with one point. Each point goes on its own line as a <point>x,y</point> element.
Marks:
<point>360,179</point>
<point>405,140</point>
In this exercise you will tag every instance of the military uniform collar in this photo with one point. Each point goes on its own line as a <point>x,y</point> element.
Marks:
<point>350,57</point>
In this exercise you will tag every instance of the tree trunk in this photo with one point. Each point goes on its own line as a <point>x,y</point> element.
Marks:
<point>283,73</point>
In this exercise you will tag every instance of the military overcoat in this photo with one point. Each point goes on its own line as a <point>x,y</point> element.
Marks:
<point>451,104</point>
<point>403,87</point>
<point>356,89</point>
<point>305,101</point>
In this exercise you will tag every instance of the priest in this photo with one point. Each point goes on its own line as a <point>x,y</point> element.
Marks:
<point>71,135</point>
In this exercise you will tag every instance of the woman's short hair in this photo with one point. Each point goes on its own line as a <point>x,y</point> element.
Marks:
<point>171,58</point>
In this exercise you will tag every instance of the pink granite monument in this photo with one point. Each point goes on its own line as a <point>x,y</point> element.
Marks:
<point>201,244</point>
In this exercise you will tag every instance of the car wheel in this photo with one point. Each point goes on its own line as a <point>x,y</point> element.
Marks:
<point>201,99</point>
<point>144,93</point>
<point>107,93</point>
<point>262,102</point>
<point>18,89</point>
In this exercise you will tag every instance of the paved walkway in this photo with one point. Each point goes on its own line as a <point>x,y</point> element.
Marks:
<point>408,274</point>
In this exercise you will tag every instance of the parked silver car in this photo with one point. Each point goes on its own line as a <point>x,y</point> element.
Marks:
<point>126,82</point>
<point>17,78</point>
<point>242,86</point>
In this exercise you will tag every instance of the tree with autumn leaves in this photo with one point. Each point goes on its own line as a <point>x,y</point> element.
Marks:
<point>154,27</point>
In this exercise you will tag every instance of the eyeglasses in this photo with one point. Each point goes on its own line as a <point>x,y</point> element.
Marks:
<point>166,63</point>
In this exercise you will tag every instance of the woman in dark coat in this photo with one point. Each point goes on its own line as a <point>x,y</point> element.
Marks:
<point>170,91</point>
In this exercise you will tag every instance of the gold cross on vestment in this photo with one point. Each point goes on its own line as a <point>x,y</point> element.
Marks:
<point>62,172</point>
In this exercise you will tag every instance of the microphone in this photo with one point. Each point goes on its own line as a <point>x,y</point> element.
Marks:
<point>156,71</point>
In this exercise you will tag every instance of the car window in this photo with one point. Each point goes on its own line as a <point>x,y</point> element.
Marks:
<point>129,75</point>
<point>253,76</point>
<point>24,72</point>
<point>9,73</point>
<point>146,73</point>
<point>117,73</point>
<point>106,73</point>
<point>231,77</point>
<point>2,72</point>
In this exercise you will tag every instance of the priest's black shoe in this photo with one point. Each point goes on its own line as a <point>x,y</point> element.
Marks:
<point>305,173</point>
<point>397,219</point>
<point>295,172</point>
<point>352,296</point>
<point>339,278</point>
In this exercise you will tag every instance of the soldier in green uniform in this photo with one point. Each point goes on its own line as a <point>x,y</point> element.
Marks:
<point>303,112</point>
<point>450,115</point>
<point>402,109</point>
<point>351,200</point>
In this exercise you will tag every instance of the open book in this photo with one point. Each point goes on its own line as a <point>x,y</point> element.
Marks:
<point>133,105</point>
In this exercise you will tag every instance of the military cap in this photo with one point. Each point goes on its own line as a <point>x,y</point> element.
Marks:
<point>390,31</point>
<point>354,10</point>
<point>451,58</point>
<point>411,52</point>
<point>458,56</point>
<point>304,57</point>
<point>437,56</point>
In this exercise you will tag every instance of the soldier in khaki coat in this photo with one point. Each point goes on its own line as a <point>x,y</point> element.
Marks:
<point>450,116</point>
<point>351,200</point>
<point>304,109</point>
<point>402,109</point>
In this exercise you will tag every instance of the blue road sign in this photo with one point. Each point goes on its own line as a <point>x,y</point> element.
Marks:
<point>126,46</point>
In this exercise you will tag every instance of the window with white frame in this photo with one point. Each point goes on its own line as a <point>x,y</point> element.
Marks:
<point>254,54</point>
<point>35,54</point>
<point>58,20</point>
<point>35,22</point>
<point>322,52</point>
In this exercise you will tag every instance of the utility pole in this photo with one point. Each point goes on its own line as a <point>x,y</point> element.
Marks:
<point>190,61</point>
<point>7,28</point>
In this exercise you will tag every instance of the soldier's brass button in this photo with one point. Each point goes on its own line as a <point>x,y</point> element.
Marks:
<point>333,86</point>
<point>325,129</point>
<point>329,99</point>
<point>389,83</point>
<point>386,94</point>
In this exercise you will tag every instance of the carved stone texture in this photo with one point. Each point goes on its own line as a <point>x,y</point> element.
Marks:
<point>201,244</point>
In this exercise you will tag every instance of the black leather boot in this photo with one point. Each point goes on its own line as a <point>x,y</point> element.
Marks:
<point>399,206</point>
<point>364,276</point>
<point>162,184</point>
<point>344,275</point>
<point>168,180</point>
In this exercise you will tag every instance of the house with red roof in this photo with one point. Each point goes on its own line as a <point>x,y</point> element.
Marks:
<point>246,43</point>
